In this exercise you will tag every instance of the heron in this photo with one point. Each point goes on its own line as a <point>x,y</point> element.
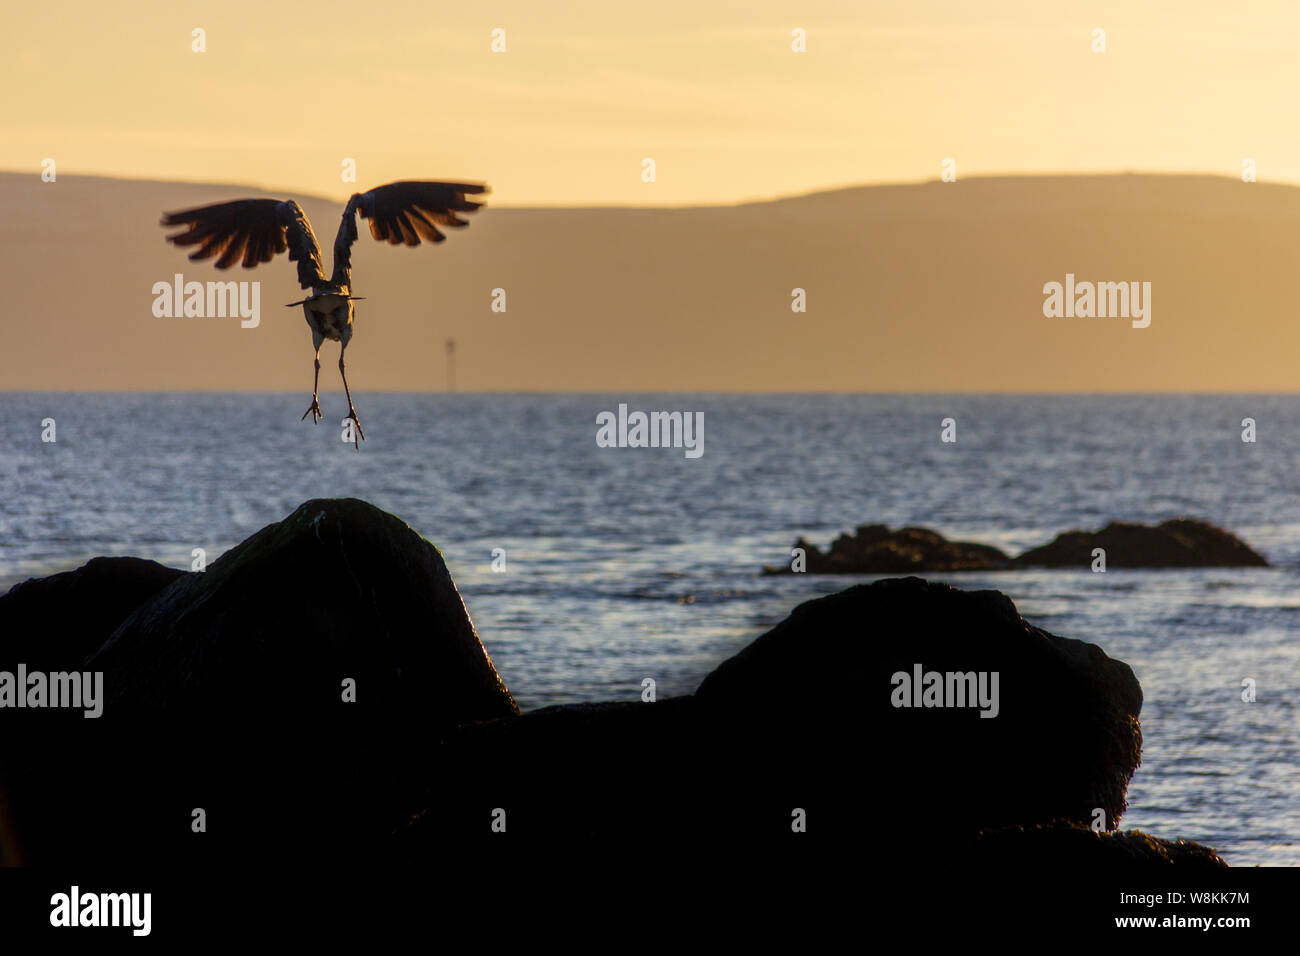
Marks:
<point>256,230</point>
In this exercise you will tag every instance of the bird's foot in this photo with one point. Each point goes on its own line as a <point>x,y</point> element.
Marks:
<point>314,412</point>
<point>358,435</point>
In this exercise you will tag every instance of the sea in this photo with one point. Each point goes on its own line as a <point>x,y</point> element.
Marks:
<point>588,569</point>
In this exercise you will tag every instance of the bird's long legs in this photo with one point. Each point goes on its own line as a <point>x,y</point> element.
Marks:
<point>352,411</point>
<point>314,411</point>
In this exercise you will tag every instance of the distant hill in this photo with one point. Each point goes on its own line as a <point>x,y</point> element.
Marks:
<point>926,287</point>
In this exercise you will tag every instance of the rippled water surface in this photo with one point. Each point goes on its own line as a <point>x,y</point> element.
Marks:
<point>632,563</point>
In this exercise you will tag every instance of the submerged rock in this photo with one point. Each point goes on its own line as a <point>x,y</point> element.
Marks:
<point>1179,543</point>
<point>875,549</point>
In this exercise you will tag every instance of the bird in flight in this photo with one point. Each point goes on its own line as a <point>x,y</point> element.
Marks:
<point>255,230</point>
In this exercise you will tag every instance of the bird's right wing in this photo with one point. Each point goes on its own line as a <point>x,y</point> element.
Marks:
<point>402,214</point>
<point>251,231</point>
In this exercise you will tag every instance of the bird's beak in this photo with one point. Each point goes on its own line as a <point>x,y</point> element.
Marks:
<point>300,302</point>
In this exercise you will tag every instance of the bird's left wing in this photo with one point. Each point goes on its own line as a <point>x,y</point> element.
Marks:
<point>403,213</point>
<point>251,231</point>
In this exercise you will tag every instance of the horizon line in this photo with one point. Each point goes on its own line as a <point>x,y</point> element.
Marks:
<point>720,204</point>
<point>677,391</point>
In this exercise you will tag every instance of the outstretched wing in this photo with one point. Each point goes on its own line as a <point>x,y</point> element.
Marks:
<point>251,231</point>
<point>403,213</point>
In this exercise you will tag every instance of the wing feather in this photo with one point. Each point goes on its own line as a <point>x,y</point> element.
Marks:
<point>250,231</point>
<point>403,213</point>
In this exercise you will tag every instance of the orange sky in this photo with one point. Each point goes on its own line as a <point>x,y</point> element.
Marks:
<point>586,90</point>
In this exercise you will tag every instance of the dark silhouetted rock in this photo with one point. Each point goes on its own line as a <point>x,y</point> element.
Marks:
<point>225,692</point>
<point>802,719</point>
<point>1044,848</point>
<point>1179,543</point>
<point>874,549</point>
<point>605,771</point>
<point>1066,738</point>
<point>338,589</point>
<point>55,623</point>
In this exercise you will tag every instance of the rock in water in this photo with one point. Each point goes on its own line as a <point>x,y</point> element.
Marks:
<point>1179,543</point>
<point>818,694</point>
<point>875,549</point>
